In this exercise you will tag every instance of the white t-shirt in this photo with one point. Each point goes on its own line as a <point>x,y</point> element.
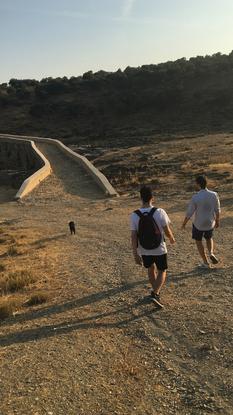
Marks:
<point>205,205</point>
<point>162,219</point>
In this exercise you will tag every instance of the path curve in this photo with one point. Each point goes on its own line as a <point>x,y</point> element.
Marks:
<point>75,179</point>
<point>84,165</point>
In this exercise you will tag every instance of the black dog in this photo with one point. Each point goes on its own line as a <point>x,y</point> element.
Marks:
<point>72,227</point>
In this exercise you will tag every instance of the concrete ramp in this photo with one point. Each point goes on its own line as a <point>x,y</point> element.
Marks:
<point>75,179</point>
<point>79,176</point>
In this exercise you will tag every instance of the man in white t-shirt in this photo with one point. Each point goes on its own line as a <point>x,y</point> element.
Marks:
<point>155,259</point>
<point>205,207</point>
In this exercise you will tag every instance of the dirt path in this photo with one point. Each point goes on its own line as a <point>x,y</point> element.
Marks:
<point>98,346</point>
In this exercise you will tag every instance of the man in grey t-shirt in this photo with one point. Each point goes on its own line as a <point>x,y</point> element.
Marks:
<point>205,207</point>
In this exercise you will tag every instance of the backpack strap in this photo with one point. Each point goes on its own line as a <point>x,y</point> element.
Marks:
<point>152,211</point>
<point>139,213</point>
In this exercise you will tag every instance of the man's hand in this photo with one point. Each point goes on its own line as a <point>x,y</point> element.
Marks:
<point>169,234</point>
<point>137,259</point>
<point>172,240</point>
<point>217,224</point>
<point>186,219</point>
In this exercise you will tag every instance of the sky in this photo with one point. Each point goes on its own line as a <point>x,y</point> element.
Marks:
<point>42,38</point>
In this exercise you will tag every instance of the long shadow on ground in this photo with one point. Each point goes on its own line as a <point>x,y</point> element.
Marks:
<point>91,322</point>
<point>80,302</point>
<point>197,272</point>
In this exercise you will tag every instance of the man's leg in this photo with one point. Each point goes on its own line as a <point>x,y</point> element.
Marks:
<point>156,276</point>
<point>210,245</point>
<point>152,275</point>
<point>161,278</point>
<point>197,236</point>
<point>201,251</point>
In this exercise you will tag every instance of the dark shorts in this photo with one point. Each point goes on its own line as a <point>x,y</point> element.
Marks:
<point>198,235</point>
<point>159,260</point>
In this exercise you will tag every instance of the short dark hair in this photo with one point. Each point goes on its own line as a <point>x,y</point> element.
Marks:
<point>202,181</point>
<point>146,193</point>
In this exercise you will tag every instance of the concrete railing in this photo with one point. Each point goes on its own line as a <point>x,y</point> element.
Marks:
<point>98,177</point>
<point>32,181</point>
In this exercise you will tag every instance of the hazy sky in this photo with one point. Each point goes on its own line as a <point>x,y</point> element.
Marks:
<point>40,38</point>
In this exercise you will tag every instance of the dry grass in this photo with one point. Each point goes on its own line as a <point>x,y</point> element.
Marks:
<point>2,268</point>
<point>168,165</point>
<point>37,298</point>
<point>24,270</point>
<point>15,281</point>
<point>12,250</point>
<point>8,307</point>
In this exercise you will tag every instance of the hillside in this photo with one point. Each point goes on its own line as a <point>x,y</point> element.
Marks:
<point>125,107</point>
<point>167,164</point>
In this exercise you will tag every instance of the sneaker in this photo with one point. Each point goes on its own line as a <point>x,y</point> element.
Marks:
<point>203,265</point>
<point>156,299</point>
<point>213,259</point>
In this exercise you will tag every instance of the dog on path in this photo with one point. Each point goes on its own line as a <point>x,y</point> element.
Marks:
<point>72,228</point>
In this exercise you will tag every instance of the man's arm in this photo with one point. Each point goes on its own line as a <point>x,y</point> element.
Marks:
<point>190,211</point>
<point>134,243</point>
<point>217,219</point>
<point>169,234</point>
<point>217,212</point>
<point>165,222</point>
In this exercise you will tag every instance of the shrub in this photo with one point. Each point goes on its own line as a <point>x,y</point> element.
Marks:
<point>12,251</point>
<point>7,308</point>
<point>15,281</point>
<point>38,298</point>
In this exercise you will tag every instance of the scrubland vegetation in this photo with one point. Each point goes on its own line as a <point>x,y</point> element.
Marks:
<point>124,107</point>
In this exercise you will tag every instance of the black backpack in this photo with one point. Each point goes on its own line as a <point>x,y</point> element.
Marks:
<point>149,234</point>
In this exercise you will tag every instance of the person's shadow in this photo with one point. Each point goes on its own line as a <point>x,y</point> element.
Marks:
<point>119,316</point>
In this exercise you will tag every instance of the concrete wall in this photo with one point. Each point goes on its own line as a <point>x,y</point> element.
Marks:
<point>98,177</point>
<point>32,181</point>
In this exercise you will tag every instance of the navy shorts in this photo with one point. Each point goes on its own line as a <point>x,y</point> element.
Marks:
<point>159,260</point>
<point>198,235</point>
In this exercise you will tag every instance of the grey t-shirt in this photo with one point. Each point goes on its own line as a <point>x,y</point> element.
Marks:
<point>204,205</point>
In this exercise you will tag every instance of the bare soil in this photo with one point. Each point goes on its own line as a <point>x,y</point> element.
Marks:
<point>98,346</point>
<point>169,164</point>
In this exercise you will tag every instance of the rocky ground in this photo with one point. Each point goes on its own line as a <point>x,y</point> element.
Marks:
<point>166,163</point>
<point>98,346</point>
